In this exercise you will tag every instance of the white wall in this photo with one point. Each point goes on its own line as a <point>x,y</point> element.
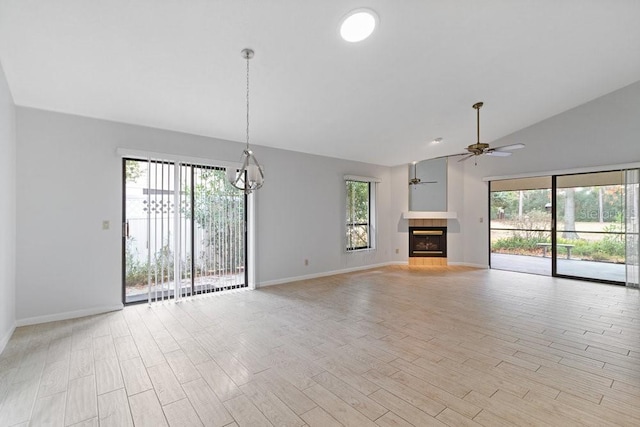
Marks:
<point>429,196</point>
<point>399,204</point>
<point>301,211</point>
<point>455,203</point>
<point>70,180</point>
<point>605,131</point>
<point>7,212</point>
<point>400,176</point>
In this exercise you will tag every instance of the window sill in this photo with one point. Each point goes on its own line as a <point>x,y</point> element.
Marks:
<point>350,251</point>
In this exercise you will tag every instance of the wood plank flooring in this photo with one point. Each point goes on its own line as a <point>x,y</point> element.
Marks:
<point>395,346</point>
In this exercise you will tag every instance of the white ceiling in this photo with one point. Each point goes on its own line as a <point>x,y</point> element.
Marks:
<point>176,65</point>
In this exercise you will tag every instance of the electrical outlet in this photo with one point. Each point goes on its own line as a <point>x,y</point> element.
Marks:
<point>106,225</point>
<point>306,262</point>
<point>397,250</point>
<point>481,219</point>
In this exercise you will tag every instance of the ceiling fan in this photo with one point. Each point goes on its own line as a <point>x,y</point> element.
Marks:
<point>415,180</point>
<point>481,148</point>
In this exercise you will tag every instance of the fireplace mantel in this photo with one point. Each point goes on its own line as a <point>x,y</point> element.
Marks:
<point>429,215</point>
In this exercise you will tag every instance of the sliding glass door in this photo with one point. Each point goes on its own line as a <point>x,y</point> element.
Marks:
<point>575,225</point>
<point>590,226</point>
<point>180,221</point>
<point>520,225</point>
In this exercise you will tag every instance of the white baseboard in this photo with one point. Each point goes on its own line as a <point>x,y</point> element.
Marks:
<point>5,339</point>
<point>67,315</point>
<point>327,273</point>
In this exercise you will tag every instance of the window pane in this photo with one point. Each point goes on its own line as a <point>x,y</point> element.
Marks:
<point>358,236</point>
<point>520,225</point>
<point>357,201</point>
<point>358,218</point>
<point>591,226</point>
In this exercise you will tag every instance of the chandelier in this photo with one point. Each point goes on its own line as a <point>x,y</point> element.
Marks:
<point>250,176</point>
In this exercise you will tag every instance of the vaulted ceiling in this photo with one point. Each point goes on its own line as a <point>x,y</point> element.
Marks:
<point>176,65</point>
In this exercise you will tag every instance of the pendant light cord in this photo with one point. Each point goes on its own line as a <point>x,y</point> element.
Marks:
<point>248,57</point>
<point>478,120</point>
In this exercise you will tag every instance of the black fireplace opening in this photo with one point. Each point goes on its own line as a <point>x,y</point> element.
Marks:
<point>428,242</point>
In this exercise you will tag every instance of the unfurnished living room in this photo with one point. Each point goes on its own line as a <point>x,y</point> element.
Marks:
<point>319,213</point>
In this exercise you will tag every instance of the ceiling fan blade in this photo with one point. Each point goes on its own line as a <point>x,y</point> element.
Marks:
<point>443,157</point>
<point>509,147</point>
<point>465,158</point>
<point>450,155</point>
<point>496,153</point>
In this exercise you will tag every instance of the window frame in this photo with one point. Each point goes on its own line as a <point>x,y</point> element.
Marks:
<point>371,214</point>
<point>243,228</point>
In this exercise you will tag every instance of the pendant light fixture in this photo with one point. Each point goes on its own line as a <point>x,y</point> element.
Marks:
<point>250,176</point>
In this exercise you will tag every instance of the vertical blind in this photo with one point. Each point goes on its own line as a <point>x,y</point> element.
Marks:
<point>632,210</point>
<point>194,230</point>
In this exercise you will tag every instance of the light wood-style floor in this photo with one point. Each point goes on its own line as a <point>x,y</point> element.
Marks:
<point>386,347</point>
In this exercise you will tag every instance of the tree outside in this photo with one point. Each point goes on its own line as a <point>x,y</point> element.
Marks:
<point>589,218</point>
<point>219,214</point>
<point>214,246</point>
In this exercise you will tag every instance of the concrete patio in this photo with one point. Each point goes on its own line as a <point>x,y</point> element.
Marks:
<point>569,267</point>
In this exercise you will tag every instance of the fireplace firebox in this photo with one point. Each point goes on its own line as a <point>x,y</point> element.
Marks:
<point>428,242</point>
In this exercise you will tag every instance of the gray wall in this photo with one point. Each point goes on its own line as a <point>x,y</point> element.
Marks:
<point>70,180</point>
<point>7,212</point>
<point>400,176</point>
<point>431,194</point>
<point>301,211</point>
<point>600,133</point>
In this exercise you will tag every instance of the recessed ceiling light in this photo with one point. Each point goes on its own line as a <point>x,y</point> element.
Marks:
<point>437,141</point>
<point>358,24</point>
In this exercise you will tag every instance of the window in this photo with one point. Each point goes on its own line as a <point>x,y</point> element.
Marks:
<point>360,215</point>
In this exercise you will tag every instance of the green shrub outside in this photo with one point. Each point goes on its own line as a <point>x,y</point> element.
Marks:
<point>608,249</point>
<point>516,243</point>
<point>137,272</point>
